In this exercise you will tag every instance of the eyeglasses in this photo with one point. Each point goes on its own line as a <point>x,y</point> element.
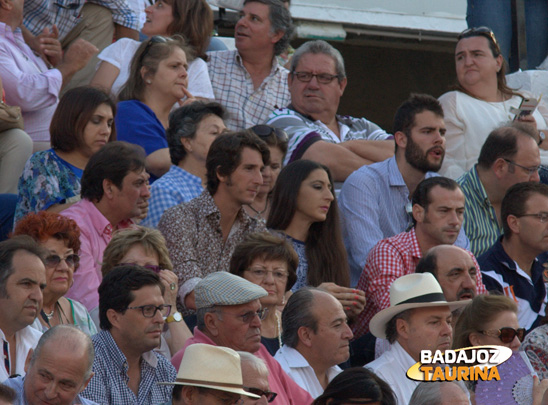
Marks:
<point>529,170</point>
<point>541,216</point>
<point>248,316</point>
<point>323,78</point>
<point>506,335</point>
<point>261,274</point>
<point>152,267</point>
<point>264,131</point>
<point>71,260</point>
<point>479,31</point>
<point>150,310</point>
<point>156,39</point>
<point>269,395</point>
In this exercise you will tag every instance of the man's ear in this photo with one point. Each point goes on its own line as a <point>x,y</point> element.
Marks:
<point>108,188</point>
<point>402,327</point>
<point>499,168</point>
<point>276,36</point>
<point>513,223</point>
<point>401,139</point>
<point>29,357</point>
<point>418,213</point>
<point>87,382</point>
<point>210,321</point>
<point>113,317</point>
<point>305,336</point>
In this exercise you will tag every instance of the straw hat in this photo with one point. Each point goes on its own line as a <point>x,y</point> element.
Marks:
<point>214,367</point>
<point>411,291</point>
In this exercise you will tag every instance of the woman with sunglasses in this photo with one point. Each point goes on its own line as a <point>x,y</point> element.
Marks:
<point>192,129</point>
<point>158,80</point>
<point>276,139</point>
<point>60,236</point>
<point>191,19</point>
<point>481,102</point>
<point>270,262</point>
<point>146,247</point>
<point>81,125</point>
<point>489,320</point>
<point>305,210</point>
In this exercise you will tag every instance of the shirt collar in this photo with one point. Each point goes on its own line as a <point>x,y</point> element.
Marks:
<point>477,187</point>
<point>273,70</point>
<point>210,208</point>
<point>119,359</point>
<point>394,176</point>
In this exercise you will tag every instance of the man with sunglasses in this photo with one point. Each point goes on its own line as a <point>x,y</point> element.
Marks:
<point>317,81</point>
<point>511,266</point>
<point>509,155</point>
<point>22,279</point>
<point>131,315</point>
<point>229,314</point>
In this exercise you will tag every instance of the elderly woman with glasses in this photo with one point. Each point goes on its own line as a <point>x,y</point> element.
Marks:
<point>158,80</point>
<point>60,236</point>
<point>270,262</point>
<point>146,247</point>
<point>482,102</point>
<point>276,139</point>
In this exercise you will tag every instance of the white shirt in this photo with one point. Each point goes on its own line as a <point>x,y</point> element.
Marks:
<point>25,339</point>
<point>297,367</point>
<point>120,53</point>
<point>469,122</point>
<point>392,367</point>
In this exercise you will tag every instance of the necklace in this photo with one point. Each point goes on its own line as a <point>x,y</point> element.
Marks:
<point>259,213</point>
<point>50,315</point>
<point>279,324</point>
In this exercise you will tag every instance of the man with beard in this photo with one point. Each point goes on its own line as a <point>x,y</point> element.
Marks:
<point>511,266</point>
<point>317,80</point>
<point>374,200</point>
<point>509,155</point>
<point>438,210</point>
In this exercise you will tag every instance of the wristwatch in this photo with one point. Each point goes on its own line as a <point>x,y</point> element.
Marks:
<point>176,317</point>
<point>541,137</point>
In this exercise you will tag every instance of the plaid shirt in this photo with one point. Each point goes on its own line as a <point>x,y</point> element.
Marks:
<point>390,259</point>
<point>233,88</point>
<point>39,14</point>
<point>109,383</point>
<point>174,187</point>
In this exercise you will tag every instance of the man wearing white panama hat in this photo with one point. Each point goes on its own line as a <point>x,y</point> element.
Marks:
<point>209,375</point>
<point>419,318</point>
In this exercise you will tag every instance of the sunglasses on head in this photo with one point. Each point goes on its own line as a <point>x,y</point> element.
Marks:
<point>482,31</point>
<point>269,395</point>
<point>54,260</point>
<point>507,334</point>
<point>264,131</point>
<point>156,39</point>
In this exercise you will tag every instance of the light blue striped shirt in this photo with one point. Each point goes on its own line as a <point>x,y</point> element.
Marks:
<point>173,188</point>
<point>372,203</point>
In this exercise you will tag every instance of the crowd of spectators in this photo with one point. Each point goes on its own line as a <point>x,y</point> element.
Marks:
<point>188,225</point>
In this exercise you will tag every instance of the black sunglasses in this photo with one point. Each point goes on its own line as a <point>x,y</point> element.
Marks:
<point>269,395</point>
<point>480,31</point>
<point>156,39</point>
<point>507,334</point>
<point>264,131</point>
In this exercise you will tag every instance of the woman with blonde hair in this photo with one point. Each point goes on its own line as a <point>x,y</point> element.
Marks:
<point>146,247</point>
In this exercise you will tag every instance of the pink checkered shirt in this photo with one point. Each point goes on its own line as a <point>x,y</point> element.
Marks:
<point>390,259</point>
<point>233,88</point>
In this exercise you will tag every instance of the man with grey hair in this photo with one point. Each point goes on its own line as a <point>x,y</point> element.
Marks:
<point>229,314</point>
<point>440,393</point>
<point>316,338</point>
<point>255,377</point>
<point>57,370</point>
<point>248,81</point>
<point>317,80</point>
<point>22,279</point>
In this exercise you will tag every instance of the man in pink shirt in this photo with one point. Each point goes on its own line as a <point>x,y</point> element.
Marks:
<point>114,187</point>
<point>229,314</point>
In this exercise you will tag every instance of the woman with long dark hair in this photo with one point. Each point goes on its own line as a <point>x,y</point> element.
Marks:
<point>304,208</point>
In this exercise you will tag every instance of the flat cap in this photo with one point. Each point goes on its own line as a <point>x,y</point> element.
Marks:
<point>223,288</point>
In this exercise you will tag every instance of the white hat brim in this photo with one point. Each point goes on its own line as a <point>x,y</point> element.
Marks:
<point>214,387</point>
<point>377,325</point>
